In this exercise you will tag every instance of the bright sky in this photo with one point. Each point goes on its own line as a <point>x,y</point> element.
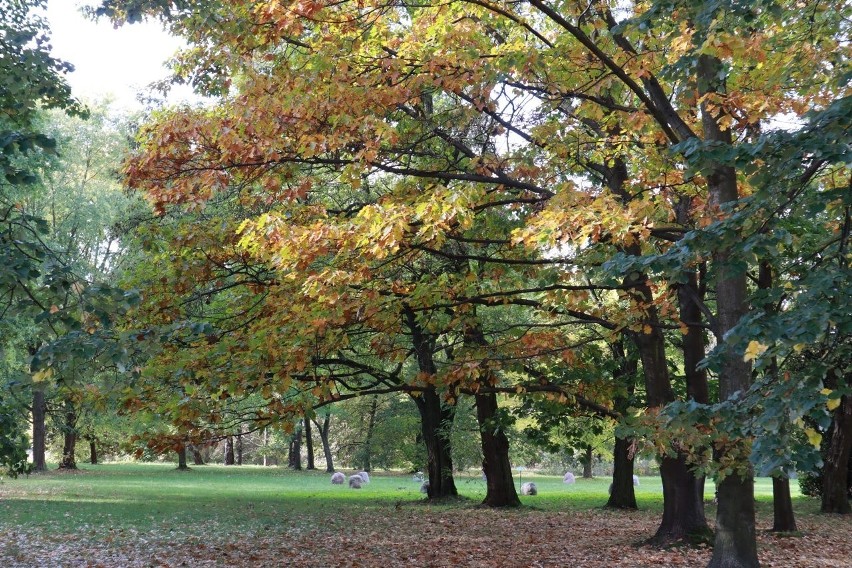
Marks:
<point>118,62</point>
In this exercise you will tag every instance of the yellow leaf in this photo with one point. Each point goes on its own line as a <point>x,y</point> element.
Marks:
<point>814,437</point>
<point>42,375</point>
<point>832,403</point>
<point>826,392</point>
<point>754,350</point>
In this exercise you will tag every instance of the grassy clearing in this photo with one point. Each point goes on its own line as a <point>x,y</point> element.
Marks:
<point>153,515</point>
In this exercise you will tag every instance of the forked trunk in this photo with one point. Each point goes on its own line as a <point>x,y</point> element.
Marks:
<point>495,455</point>
<point>436,421</point>
<point>326,446</point>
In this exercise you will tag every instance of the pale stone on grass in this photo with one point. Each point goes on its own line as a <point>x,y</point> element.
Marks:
<point>529,488</point>
<point>355,481</point>
<point>569,478</point>
<point>338,478</point>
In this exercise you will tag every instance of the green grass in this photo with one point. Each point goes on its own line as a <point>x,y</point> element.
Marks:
<point>145,497</point>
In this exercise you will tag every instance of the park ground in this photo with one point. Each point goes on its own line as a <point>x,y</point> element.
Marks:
<point>150,515</point>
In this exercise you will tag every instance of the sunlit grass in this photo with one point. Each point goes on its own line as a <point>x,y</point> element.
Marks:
<point>252,498</point>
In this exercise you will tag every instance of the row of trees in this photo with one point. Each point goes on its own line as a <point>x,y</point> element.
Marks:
<point>545,209</point>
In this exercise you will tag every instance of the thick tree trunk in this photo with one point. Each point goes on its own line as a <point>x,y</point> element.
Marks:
<point>93,451</point>
<point>367,453</point>
<point>436,421</point>
<point>683,504</point>
<point>309,443</point>
<point>736,540</point>
<point>495,455</point>
<point>835,473</point>
<point>39,430</point>
<point>197,458</point>
<point>69,444</point>
<point>182,458</point>
<point>588,457</point>
<point>326,446</point>
<point>782,506</point>
<point>294,453</point>
<point>622,495</point>
<point>229,450</point>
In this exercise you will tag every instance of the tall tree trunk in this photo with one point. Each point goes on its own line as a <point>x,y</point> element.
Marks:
<point>69,444</point>
<point>240,446</point>
<point>265,444</point>
<point>39,429</point>
<point>309,443</point>
<point>835,473</point>
<point>436,420</point>
<point>294,453</point>
<point>495,455</point>
<point>736,539</point>
<point>182,458</point>
<point>326,446</point>
<point>588,458</point>
<point>782,506</point>
<point>229,450</point>
<point>197,458</point>
<point>367,452</point>
<point>623,496</point>
<point>784,519</point>
<point>93,451</point>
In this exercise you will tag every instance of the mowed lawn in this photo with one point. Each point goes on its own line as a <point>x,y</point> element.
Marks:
<point>154,515</point>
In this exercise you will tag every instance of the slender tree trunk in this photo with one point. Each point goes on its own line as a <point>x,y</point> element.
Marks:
<point>93,451</point>
<point>39,430</point>
<point>182,458</point>
<point>294,454</point>
<point>240,446</point>
<point>229,450</point>
<point>309,443</point>
<point>436,421</point>
<point>69,445</point>
<point>495,455</point>
<point>736,539</point>
<point>265,444</point>
<point>588,457</point>
<point>623,495</point>
<point>835,473</point>
<point>782,505</point>
<point>326,446</point>
<point>197,458</point>
<point>367,452</point>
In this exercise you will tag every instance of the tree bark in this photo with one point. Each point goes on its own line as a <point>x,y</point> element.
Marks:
<point>736,540</point>
<point>623,495</point>
<point>782,506</point>
<point>436,420</point>
<point>69,444</point>
<point>309,443</point>
<point>683,504</point>
<point>495,455</point>
<point>229,450</point>
<point>93,451</point>
<point>197,458</point>
<point>39,430</point>
<point>326,446</point>
<point>367,452</point>
<point>588,456</point>
<point>835,473</point>
<point>294,453</point>
<point>240,447</point>
<point>182,458</point>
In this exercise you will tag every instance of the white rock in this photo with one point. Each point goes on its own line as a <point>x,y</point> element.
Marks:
<point>635,481</point>
<point>365,477</point>
<point>424,488</point>
<point>568,478</point>
<point>338,478</point>
<point>355,481</point>
<point>529,488</point>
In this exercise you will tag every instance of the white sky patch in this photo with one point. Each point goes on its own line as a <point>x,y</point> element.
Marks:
<point>116,63</point>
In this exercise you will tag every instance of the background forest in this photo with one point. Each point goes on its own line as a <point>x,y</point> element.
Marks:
<point>441,237</point>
